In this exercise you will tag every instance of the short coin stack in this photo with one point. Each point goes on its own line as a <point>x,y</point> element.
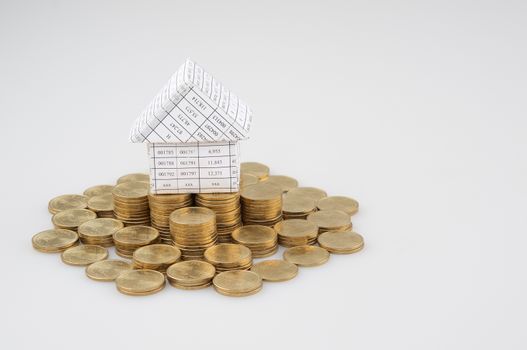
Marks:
<point>308,192</point>
<point>140,282</point>
<point>71,219</point>
<point>261,204</point>
<point>348,205</point>
<point>228,256</point>
<point>297,207</point>
<point>193,230</point>
<point>98,190</point>
<point>346,242</point>
<point>99,231</point>
<point>286,183</point>
<point>237,283</point>
<point>192,274</point>
<point>330,220</point>
<point>130,238</point>
<point>130,201</point>
<point>161,206</point>
<point>67,201</point>
<point>261,171</point>
<point>261,240</point>
<point>156,257</point>
<point>228,212</point>
<point>296,232</point>
<point>55,240</point>
<point>102,205</point>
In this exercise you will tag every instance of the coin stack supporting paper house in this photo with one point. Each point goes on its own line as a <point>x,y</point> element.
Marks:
<point>192,128</point>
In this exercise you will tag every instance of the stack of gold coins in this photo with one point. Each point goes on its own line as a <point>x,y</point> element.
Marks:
<point>71,219</point>
<point>130,238</point>
<point>228,256</point>
<point>192,274</point>
<point>55,240</point>
<point>140,282</point>
<point>156,257</point>
<point>261,204</point>
<point>98,190</point>
<point>347,242</point>
<point>133,178</point>
<point>306,255</point>
<point>259,170</point>
<point>348,205</point>
<point>297,207</point>
<point>248,179</point>
<point>161,206</point>
<point>286,183</point>
<point>130,201</point>
<point>296,232</point>
<point>330,220</point>
<point>237,283</point>
<point>99,231</point>
<point>261,240</point>
<point>193,230</point>
<point>228,212</point>
<point>67,201</point>
<point>102,205</point>
<point>309,192</point>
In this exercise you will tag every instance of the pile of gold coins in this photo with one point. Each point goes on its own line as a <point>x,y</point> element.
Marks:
<point>202,240</point>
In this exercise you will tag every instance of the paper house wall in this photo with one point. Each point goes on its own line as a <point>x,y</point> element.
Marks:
<point>192,129</point>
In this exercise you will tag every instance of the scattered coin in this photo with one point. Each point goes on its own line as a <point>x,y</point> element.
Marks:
<point>275,270</point>
<point>259,170</point>
<point>83,255</point>
<point>67,201</point>
<point>191,274</point>
<point>71,219</point>
<point>54,241</point>
<point>107,270</point>
<point>330,220</point>
<point>237,283</point>
<point>286,183</point>
<point>307,192</point>
<point>306,255</point>
<point>98,190</point>
<point>140,282</point>
<point>348,205</point>
<point>347,242</point>
<point>133,178</point>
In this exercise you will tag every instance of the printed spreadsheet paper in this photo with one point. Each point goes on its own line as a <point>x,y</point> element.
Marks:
<point>194,167</point>
<point>193,107</point>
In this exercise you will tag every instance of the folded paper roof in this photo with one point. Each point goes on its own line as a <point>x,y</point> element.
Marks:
<point>193,107</point>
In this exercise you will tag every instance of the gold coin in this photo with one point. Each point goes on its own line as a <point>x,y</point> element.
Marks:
<point>54,241</point>
<point>67,201</point>
<point>330,220</point>
<point>193,216</point>
<point>298,204</point>
<point>191,272</point>
<point>131,190</point>
<point>72,218</point>
<point>306,255</point>
<point>307,192</point>
<point>99,231</point>
<point>237,283</point>
<point>136,235</point>
<point>275,270</point>
<point>296,228</point>
<point>248,179</point>
<point>348,205</point>
<point>251,235</point>
<point>107,270</point>
<point>133,178</point>
<point>140,282</point>
<point>83,255</point>
<point>286,183</point>
<point>261,191</point>
<point>341,242</point>
<point>98,190</point>
<point>102,202</point>
<point>259,170</point>
<point>227,254</point>
<point>157,254</point>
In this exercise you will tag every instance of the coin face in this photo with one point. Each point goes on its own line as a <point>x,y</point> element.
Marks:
<point>297,228</point>
<point>286,183</point>
<point>72,218</point>
<point>54,241</point>
<point>107,270</point>
<point>237,283</point>
<point>135,177</point>
<point>140,282</point>
<point>328,220</point>
<point>156,254</point>
<point>98,190</point>
<point>132,189</point>
<point>103,202</point>
<point>254,235</point>
<point>306,255</point>
<point>307,192</point>
<point>348,205</point>
<point>83,255</point>
<point>248,179</point>
<point>100,227</point>
<point>227,253</point>
<point>67,201</point>
<point>261,191</point>
<point>275,270</point>
<point>191,272</point>
<point>259,170</point>
<point>136,235</point>
<point>347,242</point>
<point>298,204</point>
<point>193,216</point>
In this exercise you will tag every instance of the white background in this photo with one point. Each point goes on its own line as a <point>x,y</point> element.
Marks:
<point>415,108</point>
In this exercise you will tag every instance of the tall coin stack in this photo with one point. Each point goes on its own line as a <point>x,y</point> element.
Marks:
<point>130,202</point>
<point>261,204</point>
<point>228,212</point>
<point>228,256</point>
<point>161,206</point>
<point>193,230</point>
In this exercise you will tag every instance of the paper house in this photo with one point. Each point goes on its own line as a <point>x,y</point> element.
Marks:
<point>192,129</point>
